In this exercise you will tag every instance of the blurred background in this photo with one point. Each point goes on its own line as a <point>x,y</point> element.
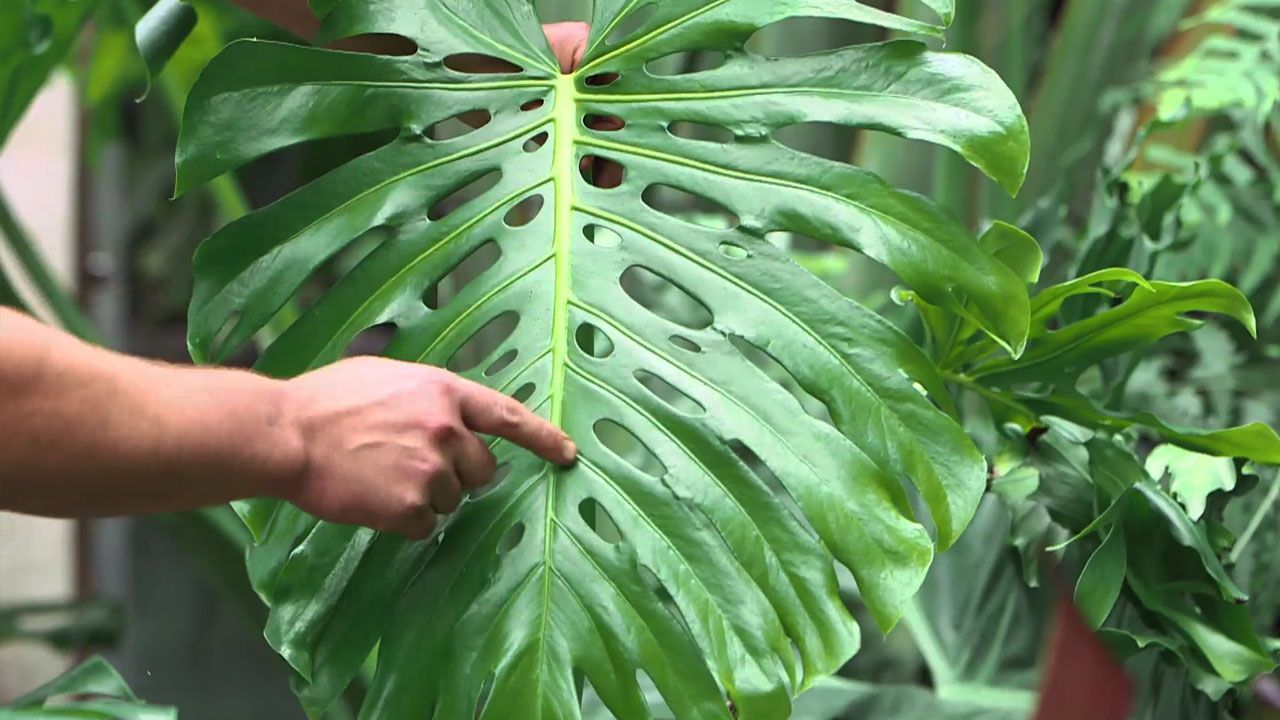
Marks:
<point>1154,145</point>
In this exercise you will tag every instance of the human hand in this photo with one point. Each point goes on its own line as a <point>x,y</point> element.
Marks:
<point>389,445</point>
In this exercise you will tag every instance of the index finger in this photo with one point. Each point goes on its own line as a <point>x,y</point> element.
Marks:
<point>490,412</point>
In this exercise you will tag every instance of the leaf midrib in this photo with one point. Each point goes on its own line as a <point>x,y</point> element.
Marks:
<point>564,139</point>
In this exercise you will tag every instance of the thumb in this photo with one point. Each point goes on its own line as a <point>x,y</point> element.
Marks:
<point>568,42</point>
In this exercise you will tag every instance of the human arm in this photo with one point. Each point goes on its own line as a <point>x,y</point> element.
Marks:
<point>86,431</point>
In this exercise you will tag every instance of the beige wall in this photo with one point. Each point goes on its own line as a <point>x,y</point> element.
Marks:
<point>37,175</point>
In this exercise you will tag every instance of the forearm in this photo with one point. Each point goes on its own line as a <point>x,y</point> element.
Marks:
<point>86,431</point>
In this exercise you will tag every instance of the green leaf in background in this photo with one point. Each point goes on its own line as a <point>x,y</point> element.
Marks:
<point>1102,578</point>
<point>35,36</point>
<point>1192,476</point>
<point>1225,71</point>
<point>668,550</point>
<point>1255,441</point>
<point>160,33</point>
<point>101,695</point>
<point>1145,316</point>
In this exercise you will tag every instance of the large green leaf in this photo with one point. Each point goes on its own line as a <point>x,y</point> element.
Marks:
<point>668,550</point>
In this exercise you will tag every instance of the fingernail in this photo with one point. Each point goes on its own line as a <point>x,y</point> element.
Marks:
<point>569,451</point>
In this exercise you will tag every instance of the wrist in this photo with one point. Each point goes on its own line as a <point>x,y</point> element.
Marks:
<point>288,446</point>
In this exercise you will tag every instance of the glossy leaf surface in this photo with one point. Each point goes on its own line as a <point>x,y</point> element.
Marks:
<point>694,542</point>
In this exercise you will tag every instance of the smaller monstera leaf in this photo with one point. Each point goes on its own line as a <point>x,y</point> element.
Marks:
<point>695,540</point>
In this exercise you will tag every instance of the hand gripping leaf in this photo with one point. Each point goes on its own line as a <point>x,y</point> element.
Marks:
<point>694,539</point>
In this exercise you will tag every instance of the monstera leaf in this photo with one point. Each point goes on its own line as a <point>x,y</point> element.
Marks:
<point>693,542</point>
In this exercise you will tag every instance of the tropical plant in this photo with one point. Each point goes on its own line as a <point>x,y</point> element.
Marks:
<point>92,690</point>
<point>694,540</point>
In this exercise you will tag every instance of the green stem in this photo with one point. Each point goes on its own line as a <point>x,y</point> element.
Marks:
<point>929,644</point>
<point>59,301</point>
<point>1024,413</point>
<point>1268,503</point>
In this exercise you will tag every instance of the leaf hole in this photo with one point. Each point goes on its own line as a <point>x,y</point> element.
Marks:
<point>771,481</point>
<point>480,64</point>
<point>603,123</point>
<point>372,340</point>
<point>483,342</point>
<point>664,298</point>
<point>468,191</point>
<point>596,518</point>
<point>536,142</point>
<point>798,35</point>
<point>601,172</point>
<point>653,583</point>
<point>389,44</point>
<point>829,140</point>
<point>630,23</point>
<point>533,104</point>
<point>524,392</point>
<point>602,79</point>
<point>218,346</point>
<point>593,341</point>
<point>778,373</point>
<point>702,132</point>
<point>631,449</point>
<point>511,538</point>
<point>601,236</point>
<point>486,692</point>
<point>685,62</point>
<point>669,394</point>
<point>458,125</point>
<point>732,250</point>
<point>685,343</point>
<point>689,207</point>
<point>499,474</point>
<point>524,212</point>
<point>462,274</point>
<point>504,360</point>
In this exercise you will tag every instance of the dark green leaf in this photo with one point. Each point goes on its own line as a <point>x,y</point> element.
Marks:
<point>716,588</point>
<point>160,32</point>
<point>1255,441</point>
<point>1103,576</point>
<point>35,36</point>
<point>1145,316</point>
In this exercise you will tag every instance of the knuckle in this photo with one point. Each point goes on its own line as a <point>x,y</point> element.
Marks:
<point>433,468</point>
<point>441,384</point>
<point>510,415</point>
<point>415,503</point>
<point>443,431</point>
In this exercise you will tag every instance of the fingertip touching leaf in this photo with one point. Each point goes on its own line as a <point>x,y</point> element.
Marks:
<point>741,427</point>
